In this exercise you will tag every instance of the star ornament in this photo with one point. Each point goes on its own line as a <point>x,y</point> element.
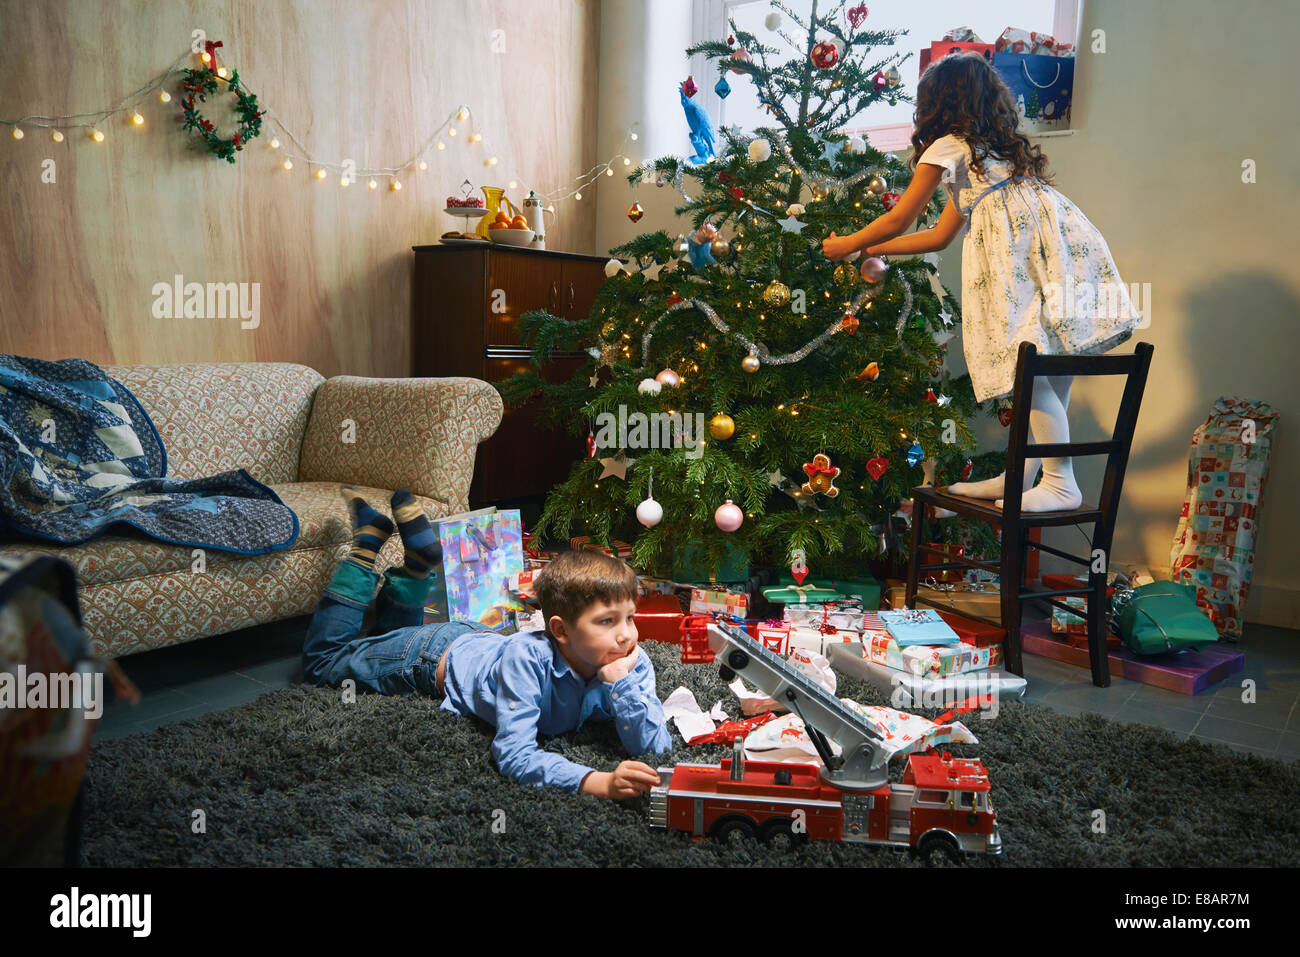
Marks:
<point>791,225</point>
<point>616,467</point>
<point>651,273</point>
<point>775,478</point>
<point>943,400</point>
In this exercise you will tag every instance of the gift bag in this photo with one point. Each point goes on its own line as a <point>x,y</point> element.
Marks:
<point>942,48</point>
<point>480,554</point>
<point>1042,87</point>
<point>1214,545</point>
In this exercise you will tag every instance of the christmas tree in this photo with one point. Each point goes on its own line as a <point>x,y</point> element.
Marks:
<point>793,366</point>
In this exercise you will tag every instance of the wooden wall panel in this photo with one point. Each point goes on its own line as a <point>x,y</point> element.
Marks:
<point>368,79</point>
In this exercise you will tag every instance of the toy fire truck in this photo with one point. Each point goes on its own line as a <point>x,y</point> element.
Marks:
<point>941,806</point>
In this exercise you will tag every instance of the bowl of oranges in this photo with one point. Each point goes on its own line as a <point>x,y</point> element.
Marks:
<point>510,230</point>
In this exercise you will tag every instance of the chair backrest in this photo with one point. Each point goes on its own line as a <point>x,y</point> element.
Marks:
<point>1029,366</point>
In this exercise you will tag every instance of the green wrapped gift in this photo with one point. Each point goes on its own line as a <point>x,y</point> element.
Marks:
<point>801,594</point>
<point>1162,617</point>
<point>692,565</point>
<point>866,590</point>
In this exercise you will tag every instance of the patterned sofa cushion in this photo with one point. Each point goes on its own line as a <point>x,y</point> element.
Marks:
<point>218,416</point>
<point>138,594</point>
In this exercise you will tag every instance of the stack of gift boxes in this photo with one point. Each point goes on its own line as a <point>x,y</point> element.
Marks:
<point>816,616</point>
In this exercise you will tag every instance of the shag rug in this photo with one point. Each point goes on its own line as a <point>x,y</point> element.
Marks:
<point>297,778</point>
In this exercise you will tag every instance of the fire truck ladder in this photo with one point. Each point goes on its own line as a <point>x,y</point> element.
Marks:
<point>862,765</point>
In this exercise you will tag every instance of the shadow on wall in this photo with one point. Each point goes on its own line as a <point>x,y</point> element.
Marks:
<point>1235,341</point>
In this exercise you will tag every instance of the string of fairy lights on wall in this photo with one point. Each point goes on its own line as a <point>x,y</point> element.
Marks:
<point>291,149</point>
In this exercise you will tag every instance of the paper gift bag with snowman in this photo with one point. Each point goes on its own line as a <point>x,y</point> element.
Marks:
<point>1042,87</point>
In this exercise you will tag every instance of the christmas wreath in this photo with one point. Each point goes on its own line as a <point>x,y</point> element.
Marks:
<point>199,85</point>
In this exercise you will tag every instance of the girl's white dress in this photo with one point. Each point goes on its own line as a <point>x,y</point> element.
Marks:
<point>1034,269</point>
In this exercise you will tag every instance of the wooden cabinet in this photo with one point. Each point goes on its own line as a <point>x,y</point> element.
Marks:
<point>455,331</point>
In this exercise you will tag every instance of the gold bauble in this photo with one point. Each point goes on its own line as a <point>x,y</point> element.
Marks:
<point>845,275</point>
<point>635,212</point>
<point>750,363</point>
<point>722,426</point>
<point>720,248</point>
<point>877,186</point>
<point>777,294</point>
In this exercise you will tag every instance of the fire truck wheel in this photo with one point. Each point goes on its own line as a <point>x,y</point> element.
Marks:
<point>731,830</point>
<point>938,848</point>
<point>779,833</point>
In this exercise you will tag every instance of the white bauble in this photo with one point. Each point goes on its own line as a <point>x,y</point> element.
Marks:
<point>760,150</point>
<point>795,209</point>
<point>649,387</point>
<point>772,21</point>
<point>613,268</point>
<point>649,513</point>
<point>856,144</point>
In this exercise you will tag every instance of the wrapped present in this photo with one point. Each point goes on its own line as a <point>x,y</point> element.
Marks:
<point>921,626</point>
<point>692,564</point>
<point>480,554</point>
<point>613,547</point>
<point>521,585</point>
<point>658,618</point>
<point>1014,40</point>
<point>656,586</point>
<point>719,601</point>
<point>973,598</point>
<point>1068,623</point>
<point>775,637</point>
<point>804,638</point>
<point>801,594</point>
<point>927,659</point>
<point>1214,543</point>
<point>865,590</point>
<point>847,613</point>
<point>1056,582</point>
<point>962,35</point>
<point>974,632</point>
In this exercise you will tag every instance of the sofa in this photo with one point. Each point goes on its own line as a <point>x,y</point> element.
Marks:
<point>303,435</point>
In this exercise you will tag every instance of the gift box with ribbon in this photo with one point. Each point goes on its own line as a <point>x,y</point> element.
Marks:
<point>865,590</point>
<point>719,601</point>
<point>612,547</point>
<point>847,613</point>
<point>658,617</point>
<point>801,594</point>
<point>774,636</point>
<point>804,638</point>
<point>921,626</point>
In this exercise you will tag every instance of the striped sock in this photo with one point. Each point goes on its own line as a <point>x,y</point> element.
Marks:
<point>370,529</point>
<point>423,550</point>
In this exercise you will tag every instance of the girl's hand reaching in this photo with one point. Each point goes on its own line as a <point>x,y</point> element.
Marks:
<point>838,247</point>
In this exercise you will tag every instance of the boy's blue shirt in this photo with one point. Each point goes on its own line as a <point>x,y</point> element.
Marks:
<point>523,687</point>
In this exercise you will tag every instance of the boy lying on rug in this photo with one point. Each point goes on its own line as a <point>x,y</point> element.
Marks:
<point>586,665</point>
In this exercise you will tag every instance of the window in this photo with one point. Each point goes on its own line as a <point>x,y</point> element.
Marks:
<point>966,800</point>
<point>933,797</point>
<point>885,127</point>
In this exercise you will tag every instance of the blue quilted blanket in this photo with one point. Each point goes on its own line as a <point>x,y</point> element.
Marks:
<point>79,456</point>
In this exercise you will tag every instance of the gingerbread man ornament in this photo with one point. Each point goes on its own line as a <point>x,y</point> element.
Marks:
<point>821,476</point>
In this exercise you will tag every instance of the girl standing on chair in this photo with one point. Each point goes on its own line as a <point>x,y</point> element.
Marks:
<point>1027,252</point>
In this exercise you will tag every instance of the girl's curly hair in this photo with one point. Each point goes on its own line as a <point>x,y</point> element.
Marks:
<point>963,94</point>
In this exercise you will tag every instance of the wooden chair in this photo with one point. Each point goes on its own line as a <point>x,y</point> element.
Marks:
<point>1015,525</point>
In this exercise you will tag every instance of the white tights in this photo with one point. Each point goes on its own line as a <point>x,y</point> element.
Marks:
<point>1048,425</point>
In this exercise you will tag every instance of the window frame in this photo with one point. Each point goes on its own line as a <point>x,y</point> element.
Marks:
<point>708,16</point>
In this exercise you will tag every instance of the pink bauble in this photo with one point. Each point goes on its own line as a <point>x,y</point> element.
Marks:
<point>739,56</point>
<point>874,269</point>
<point>728,517</point>
<point>669,378</point>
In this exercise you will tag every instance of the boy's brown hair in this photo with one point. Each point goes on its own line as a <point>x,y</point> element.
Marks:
<point>575,581</point>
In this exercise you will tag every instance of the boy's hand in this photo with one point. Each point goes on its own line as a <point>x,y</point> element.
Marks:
<point>621,668</point>
<point>626,781</point>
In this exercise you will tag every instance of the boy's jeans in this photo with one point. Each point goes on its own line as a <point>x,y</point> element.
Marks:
<point>400,656</point>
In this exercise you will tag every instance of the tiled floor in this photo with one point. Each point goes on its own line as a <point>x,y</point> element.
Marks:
<point>217,673</point>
